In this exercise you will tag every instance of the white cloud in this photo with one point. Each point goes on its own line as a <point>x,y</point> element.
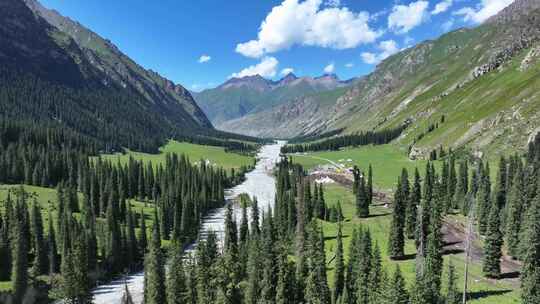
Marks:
<point>349,65</point>
<point>442,7</point>
<point>369,58</point>
<point>446,26</point>
<point>266,68</point>
<point>406,17</point>
<point>308,23</point>
<point>484,10</point>
<point>387,48</point>
<point>329,69</point>
<point>286,71</point>
<point>204,58</point>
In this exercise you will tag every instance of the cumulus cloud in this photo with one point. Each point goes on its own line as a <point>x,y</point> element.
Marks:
<point>404,18</point>
<point>349,65</point>
<point>266,68</point>
<point>442,7</point>
<point>204,58</point>
<point>386,49</point>
<point>286,71</point>
<point>484,10</point>
<point>329,69</point>
<point>309,23</point>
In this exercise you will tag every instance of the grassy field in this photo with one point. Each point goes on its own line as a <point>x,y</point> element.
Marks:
<point>216,155</point>
<point>481,290</point>
<point>386,160</point>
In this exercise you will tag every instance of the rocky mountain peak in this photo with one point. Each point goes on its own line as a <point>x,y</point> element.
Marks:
<point>256,82</point>
<point>290,77</point>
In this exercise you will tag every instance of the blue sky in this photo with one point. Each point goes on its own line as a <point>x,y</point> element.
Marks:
<point>202,43</point>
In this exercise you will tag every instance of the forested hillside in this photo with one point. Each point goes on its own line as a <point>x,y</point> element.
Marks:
<point>57,74</point>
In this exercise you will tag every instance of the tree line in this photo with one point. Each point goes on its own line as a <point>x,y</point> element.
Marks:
<point>105,116</point>
<point>92,232</point>
<point>361,139</point>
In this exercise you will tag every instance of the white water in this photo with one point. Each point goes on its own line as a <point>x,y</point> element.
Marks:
<point>259,183</point>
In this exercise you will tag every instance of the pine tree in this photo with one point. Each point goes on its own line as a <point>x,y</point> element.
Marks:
<point>514,216</point>
<point>285,284</point>
<point>376,276</point>
<point>154,272</point>
<point>397,239</point>
<point>227,272</point>
<point>483,204</point>
<point>255,217</point>
<point>40,254</point>
<point>176,279</point>
<point>362,202</point>
<point>316,290</point>
<point>339,266</point>
<point>370,185</point>
<point>253,288</point>
<point>142,239</point>
<point>75,285</point>
<point>530,277</point>
<point>412,206</point>
<point>5,255</point>
<point>397,289</point>
<point>452,293</point>
<point>52,255</point>
<point>19,244</point>
<point>493,245</point>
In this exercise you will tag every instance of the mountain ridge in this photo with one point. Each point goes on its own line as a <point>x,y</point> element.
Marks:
<point>238,97</point>
<point>453,75</point>
<point>57,72</point>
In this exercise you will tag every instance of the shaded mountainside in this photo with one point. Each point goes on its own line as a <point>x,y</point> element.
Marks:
<point>485,81</point>
<point>239,97</point>
<point>56,71</point>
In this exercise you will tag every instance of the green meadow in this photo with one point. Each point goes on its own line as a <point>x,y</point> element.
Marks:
<point>386,160</point>
<point>481,290</point>
<point>196,153</point>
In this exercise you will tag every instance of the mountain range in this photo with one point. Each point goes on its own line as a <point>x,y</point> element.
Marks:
<point>239,97</point>
<point>482,82</point>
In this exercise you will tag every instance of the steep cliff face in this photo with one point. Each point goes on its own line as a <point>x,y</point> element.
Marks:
<point>484,80</point>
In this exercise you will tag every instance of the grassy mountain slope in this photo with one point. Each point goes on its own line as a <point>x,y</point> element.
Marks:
<point>484,80</point>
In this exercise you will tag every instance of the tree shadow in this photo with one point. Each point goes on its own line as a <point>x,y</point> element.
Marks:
<point>410,256</point>
<point>510,275</point>
<point>377,215</point>
<point>475,295</point>
<point>446,244</point>
<point>452,251</point>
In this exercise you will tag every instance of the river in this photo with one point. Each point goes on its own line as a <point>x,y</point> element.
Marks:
<point>259,183</point>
